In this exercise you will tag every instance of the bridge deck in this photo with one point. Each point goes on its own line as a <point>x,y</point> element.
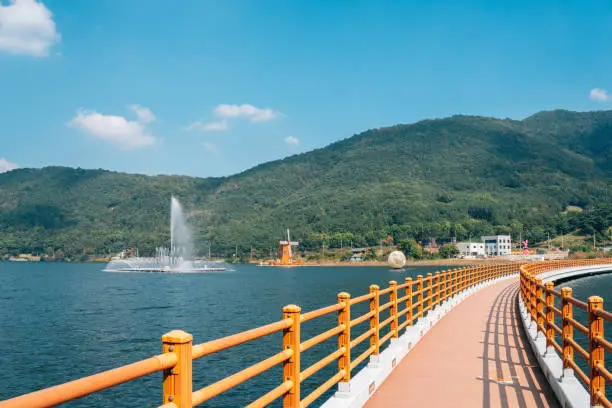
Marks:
<point>476,356</point>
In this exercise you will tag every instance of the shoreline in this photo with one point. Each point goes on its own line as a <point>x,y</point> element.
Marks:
<point>365,264</point>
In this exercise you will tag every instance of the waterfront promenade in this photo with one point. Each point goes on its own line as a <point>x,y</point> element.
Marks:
<point>476,356</point>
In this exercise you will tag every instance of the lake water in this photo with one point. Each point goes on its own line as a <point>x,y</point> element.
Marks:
<point>64,321</point>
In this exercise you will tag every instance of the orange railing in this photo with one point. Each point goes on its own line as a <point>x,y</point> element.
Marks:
<point>545,304</point>
<point>397,306</point>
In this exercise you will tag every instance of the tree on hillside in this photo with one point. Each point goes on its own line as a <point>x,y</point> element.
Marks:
<point>410,248</point>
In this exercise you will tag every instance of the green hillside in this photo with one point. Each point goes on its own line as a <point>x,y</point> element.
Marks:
<point>459,176</point>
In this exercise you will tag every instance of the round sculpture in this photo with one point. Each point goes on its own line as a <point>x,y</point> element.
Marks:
<point>397,259</point>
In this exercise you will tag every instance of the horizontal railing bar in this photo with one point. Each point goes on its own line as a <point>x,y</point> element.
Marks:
<point>578,348</point>
<point>419,314</point>
<point>605,343</point>
<point>324,362</point>
<point>223,343</point>
<point>168,405</point>
<point>385,306</point>
<point>362,318</point>
<point>405,323</point>
<point>402,312</point>
<point>362,298</point>
<point>362,337</point>
<point>322,388</point>
<point>558,312</point>
<point>233,380</point>
<point>320,312</point>
<point>385,291</point>
<point>362,357</point>
<point>403,298</point>
<point>604,314</point>
<point>320,338</point>
<point>72,390</point>
<point>387,321</point>
<point>603,400</point>
<point>603,371</point>
<point>416,304</point>
<point>556,328</point>
<point>387,337</point>
<point>272,396</point>
<point>405,285</point>
<point>577,325</point>
<point>557,347</point>
<point>578,303</point>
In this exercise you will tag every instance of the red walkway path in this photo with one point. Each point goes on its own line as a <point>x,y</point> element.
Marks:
<point>476,356</point>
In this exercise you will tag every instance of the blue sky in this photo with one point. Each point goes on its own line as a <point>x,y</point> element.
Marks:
<point>214,87</point>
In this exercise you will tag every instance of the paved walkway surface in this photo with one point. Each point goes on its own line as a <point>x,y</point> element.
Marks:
<point>476,356</point>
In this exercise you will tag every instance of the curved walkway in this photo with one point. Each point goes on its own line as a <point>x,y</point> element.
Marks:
<point>476,356</point>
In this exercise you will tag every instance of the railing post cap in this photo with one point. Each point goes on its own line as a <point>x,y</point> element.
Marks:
<point>292,309</point>
<point>177,337</point>
<point>344,295</point>
<point>549,285</point>
<point>595,299</point>
<point>566,291</point>
<point>392,283</point>
<point>408,279</point>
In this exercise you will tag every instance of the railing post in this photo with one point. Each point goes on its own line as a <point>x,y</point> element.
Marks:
<point>430,293</point>
<point>443,281</point>
<point>344,339</point>
<point>532,294</point>
<point>550,316</point>
<point>408,282</point>
<point>393,308</point>
<point>596,355</point>
<point>539,307</point>
<point>567,328</point>
<point>178,380</point>
<point>420,289</point>
<point>291,367</point>
<point>375,324</point>
<point>437,288</point>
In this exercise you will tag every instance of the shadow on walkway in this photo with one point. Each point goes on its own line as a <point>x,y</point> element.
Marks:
<point>510,374</point>
<point>476,356</point>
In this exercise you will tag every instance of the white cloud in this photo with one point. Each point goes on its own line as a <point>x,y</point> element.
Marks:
<point>600,95</point>
<point>127,135</point>
<point>27,27</point>
<point>144,114</point>
<point>219,126</point>
<point>292,141</point>
<point>253,113</point>
<point>211,147</point>
<point>6,165</point>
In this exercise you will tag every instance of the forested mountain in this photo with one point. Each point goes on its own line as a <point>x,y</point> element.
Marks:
<point>459,176</point>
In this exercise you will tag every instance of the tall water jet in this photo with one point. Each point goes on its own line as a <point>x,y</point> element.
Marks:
<point>181,244</point>
<point>178,258</point>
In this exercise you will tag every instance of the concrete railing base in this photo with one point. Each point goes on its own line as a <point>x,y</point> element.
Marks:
<point>361,387</point>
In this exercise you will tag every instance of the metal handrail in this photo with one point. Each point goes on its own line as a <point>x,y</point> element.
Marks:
<point>536,296</point>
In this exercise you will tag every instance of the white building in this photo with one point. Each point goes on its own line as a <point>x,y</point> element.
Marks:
<point>471,249</point>
<point>497,245</point>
